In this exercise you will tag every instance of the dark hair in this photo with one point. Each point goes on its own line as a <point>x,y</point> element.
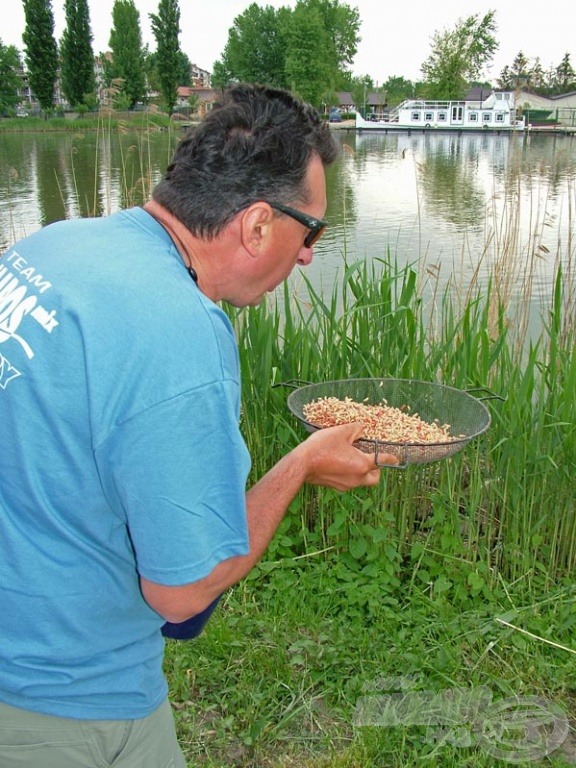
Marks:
<point>255,143</point>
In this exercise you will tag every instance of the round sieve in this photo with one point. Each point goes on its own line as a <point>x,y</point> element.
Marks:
<point>467,416</point>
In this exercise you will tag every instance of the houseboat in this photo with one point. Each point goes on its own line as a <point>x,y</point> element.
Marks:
<point>497,112</point>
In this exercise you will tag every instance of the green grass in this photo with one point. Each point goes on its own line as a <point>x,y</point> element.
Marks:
<point>278,676</point>
<point>454,575</point>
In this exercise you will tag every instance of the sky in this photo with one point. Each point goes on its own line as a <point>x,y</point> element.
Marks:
<point>395,36</point>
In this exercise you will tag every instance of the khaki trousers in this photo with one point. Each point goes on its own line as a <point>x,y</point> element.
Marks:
<point>32,740</point>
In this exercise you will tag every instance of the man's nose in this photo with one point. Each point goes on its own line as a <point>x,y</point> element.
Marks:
<point>305,256</point>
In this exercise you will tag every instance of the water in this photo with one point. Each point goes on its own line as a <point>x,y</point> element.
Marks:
<point>460,206</point>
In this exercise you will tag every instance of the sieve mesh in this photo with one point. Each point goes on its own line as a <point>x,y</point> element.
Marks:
<point>466,415</point>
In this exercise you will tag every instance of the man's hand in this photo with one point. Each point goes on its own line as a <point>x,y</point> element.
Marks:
<point>334,462</point>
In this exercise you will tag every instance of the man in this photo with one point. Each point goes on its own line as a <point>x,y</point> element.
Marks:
<point>122,468</point>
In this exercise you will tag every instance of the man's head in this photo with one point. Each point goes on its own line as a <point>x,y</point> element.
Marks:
<point>255,144</point>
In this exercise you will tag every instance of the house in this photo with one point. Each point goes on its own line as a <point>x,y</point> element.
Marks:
<point>345,101</point>
<point>200,78</point>
<point>479,93</point>
<point>376,105</point>
<point>184,96</point>
<point>27,98</point>
<point>562,107</point>
<point>199,100</point>
<point>103,93</point>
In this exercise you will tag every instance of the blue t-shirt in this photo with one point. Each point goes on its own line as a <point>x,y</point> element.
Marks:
<point>120,456</point>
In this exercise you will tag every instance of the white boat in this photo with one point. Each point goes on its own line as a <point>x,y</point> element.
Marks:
<point>497,112</point>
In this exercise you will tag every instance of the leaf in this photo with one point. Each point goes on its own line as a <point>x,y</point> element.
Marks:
<point>358,547</point>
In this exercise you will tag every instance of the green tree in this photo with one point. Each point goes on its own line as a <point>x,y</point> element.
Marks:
<point>184,70</point>
<point>307,65</point>
<point>255,50</point>
<point>41,50</point>
<point>520,71</point>
<point>458,56</point>
<point>166,29</point>
<point>127,64</point>
<point>342,25</point>
<point>537,77</point>
<point>523,73</point>
<point>506,80</point>
<point>308,49</point>
<point>221,75</point>
<point>398,89</point>
<point>9,80</point>
<point>76,55</point>
<point>565,78</point>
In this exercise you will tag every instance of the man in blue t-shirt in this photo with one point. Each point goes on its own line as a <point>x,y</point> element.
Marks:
<point>123,501</point>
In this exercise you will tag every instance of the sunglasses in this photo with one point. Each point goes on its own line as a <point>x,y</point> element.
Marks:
<point>316,226</point>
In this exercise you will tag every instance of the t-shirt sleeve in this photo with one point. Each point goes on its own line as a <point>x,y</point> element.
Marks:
<point>177,473</point>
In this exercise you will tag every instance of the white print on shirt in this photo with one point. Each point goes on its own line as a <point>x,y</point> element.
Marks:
<point>7,372</point>
<point>16,303</point>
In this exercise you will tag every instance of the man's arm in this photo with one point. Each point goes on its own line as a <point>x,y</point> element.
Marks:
<point>326,458</point>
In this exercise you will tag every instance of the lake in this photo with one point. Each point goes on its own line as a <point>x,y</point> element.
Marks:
<point>460,206</point>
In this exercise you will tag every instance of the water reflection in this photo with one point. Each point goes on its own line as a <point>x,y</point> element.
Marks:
<point>458,205</point>
<point>47,177</point>
<point>548,159</point>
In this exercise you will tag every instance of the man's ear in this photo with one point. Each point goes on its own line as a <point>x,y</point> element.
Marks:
<point>256,227</point>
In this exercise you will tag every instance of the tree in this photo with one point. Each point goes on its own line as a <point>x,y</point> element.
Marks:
<point>127,64</point>
<point>505,81</point>
<point>459,55</point>
<point>307,66</point>
<point>166,29</point>
<point>221,75</point>
<point>537,76</point>
<point>184,71</point>
<point>41,50</point>
<point>342,25</point>
<point>522,74</point>
<point>520,71</point>
<point>9,80</point>
<point>565,78</point>
<point>255,50</point>
<point>76,55</point>
<point>398,89</point>
<point>308,49</point>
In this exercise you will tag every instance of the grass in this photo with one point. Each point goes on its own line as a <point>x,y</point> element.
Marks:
<point>453,578</point>
<point>281,674</point>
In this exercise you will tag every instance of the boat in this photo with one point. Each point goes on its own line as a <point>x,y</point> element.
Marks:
<point>497,112</point>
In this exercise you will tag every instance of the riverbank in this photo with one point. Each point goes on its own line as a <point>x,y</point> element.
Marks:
<point>106,120</point>
<point>113,121</point>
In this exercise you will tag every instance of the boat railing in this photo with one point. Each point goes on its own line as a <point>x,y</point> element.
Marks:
<point>422,104</point>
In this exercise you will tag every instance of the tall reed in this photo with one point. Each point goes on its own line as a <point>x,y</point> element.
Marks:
<point>503,508</point>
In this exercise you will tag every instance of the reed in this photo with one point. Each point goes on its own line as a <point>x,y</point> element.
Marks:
<point>504,507</point>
